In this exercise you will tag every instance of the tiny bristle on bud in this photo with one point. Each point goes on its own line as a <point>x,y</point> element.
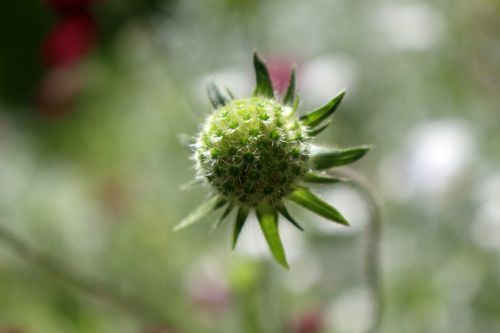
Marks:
<point>252,150</point>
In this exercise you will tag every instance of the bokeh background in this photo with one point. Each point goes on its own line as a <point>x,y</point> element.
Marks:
<point>96,95</point>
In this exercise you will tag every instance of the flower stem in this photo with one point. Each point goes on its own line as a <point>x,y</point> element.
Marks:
<point>58,269</point>
<point>373,244</point>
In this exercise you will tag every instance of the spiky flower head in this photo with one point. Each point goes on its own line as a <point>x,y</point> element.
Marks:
<point>253,150</point>
<point>256,151</point>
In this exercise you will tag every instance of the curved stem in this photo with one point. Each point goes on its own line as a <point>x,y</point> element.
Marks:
<point>55,267</point>
<point>373,244</point>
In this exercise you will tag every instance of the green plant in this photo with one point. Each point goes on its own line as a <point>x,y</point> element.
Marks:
<point>256,151</point>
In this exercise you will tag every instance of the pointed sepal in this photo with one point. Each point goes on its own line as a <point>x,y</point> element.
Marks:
<point>315,131</point>
<point>312,202</point>
<point>230,93</point>
<point>268,220</point>
<point>283,211</point>
<point>208,206</point>
<point>215,95</point>
<point>316,117</point>
<point>264,86</point>
<point>314,178</point>
<point>324,158</point>
<point>296,103</point>
<point>289,97</point>
<point>241,218</point>
<point>227,211</point>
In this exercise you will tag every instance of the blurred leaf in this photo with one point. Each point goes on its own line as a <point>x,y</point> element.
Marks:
<point>311,177</point>
<point>324,158</point>
<point>308,200</point>
<point>290,92</point>
<point>316,117</point>
<point>268,220</point>
<point>264,86</point>
<point>241,217</point>
<point>208,206</point>
<point>215,95</point>
<point>230,93</point>
<point>283,211</point>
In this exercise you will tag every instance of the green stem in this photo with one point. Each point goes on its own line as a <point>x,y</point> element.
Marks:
<point>373,244</point>
<point>252,301</point>
<point>57,268</point>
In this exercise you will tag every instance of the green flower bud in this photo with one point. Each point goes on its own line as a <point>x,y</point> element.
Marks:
<point>253,150</point>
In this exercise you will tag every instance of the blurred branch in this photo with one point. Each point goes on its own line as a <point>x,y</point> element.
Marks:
<point>373,244</point>
<point>56,268</point>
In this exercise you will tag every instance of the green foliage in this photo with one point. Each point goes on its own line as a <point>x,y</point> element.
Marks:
<point>312,177</point>
<point>268,220</point>
<point>316,117</point>
<point>315,131</point>
<point>264,86</point>
<point>215,95</point>
<point>307,199</point>
<point>283,211</point>
<point>208,206</point>
<point>241,217</point>
<point>325,158</point>
<point>289,97</point>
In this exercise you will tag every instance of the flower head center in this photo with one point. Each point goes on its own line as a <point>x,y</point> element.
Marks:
<point>252,150</point>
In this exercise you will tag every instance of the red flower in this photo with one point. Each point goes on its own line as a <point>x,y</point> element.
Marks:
<point>308,322</point>
<point>71,40</point>
<point>279,70</point>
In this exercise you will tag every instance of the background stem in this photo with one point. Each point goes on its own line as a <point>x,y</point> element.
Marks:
<point>51,265</point>
<point>373,244</point>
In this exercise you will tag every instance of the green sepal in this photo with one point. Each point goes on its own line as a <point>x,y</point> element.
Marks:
<point>230,93</point>
<point>314,132</point>
<point>296,103</point>
<point>227,211</point>
<point>311,177</point>
<point>290,92</point>
<point>264,86</point>
<point>309,200</point>
<point>324,158</point>
<point>316,117</point>
<point>283,211</point>
<point>268,220</point>
<point>215,95</point>
<point>241,217</point>
<point>208,206</point>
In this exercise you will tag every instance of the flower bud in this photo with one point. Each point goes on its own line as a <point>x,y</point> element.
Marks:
<point>252,150</point>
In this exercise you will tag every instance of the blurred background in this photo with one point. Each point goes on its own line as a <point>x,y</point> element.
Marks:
<point>95,94</point>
